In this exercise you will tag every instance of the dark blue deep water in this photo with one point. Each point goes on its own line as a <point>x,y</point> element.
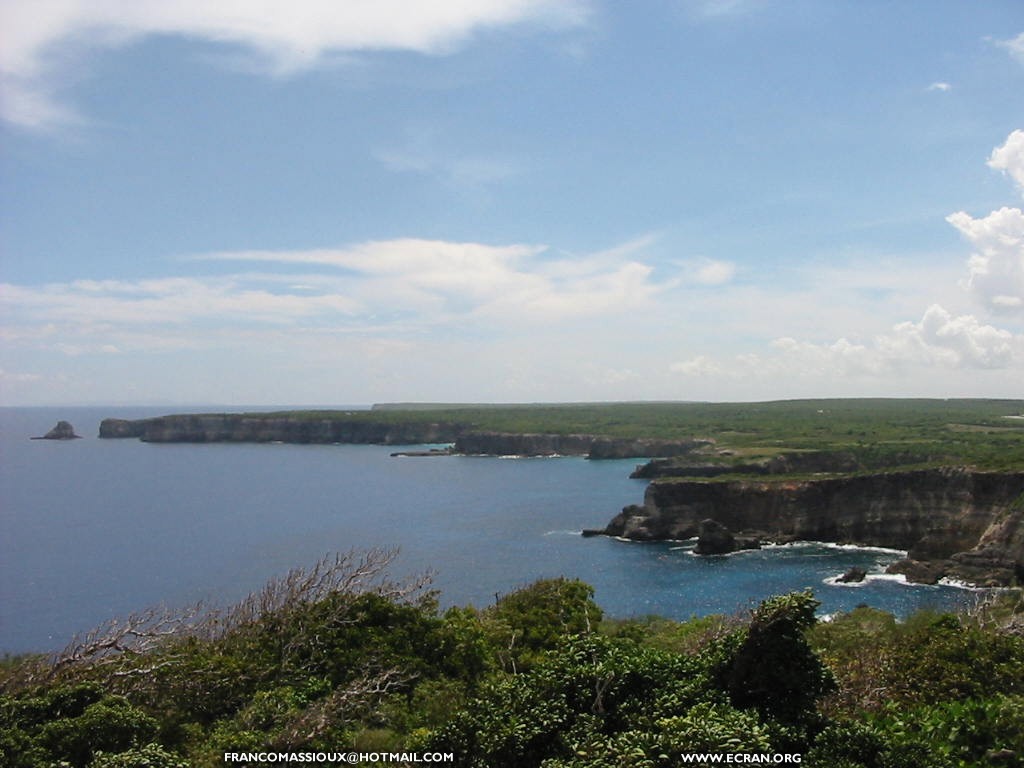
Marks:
<point>92,529</point>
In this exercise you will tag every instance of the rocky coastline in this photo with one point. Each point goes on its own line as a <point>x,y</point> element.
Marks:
<point>954,522</point>
<point>249,428</point>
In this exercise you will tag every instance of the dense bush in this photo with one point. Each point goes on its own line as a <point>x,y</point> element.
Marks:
<point>339,656</point>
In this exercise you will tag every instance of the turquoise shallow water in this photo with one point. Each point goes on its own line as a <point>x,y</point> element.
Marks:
<point>91,529</point>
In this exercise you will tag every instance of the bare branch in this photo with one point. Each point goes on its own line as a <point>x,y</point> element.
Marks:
<point>345,704</point>
<point>120,640</point>
<point>133,635</point>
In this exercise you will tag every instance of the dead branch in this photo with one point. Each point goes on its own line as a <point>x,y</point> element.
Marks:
<point>133,635</point>
<point>345,704</point>
<point>144,632</point>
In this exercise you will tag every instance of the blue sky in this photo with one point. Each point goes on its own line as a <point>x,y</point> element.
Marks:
<point>509,200</point>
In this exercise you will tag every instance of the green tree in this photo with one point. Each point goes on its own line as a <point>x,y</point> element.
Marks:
<point>771,666</point>
<point>539,617</point>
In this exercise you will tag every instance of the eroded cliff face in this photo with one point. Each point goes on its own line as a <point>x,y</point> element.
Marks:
<point>952,521</point>
<point>234,428</point>
<point>240,428</point>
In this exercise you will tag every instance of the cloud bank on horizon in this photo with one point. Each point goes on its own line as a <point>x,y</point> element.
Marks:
<point>503,200</point>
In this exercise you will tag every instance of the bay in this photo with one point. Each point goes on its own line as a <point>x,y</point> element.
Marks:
<point>92,529</point>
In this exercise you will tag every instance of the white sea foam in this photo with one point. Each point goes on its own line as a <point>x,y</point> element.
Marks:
<point>833,545</point>
<point>957,584</point>
<point>896,578</point>
<point>722,554</point>
<point>834,581</point>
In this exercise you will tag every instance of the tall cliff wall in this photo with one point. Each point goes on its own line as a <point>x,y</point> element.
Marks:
<point>235,428</point>
<point>242,428</point>
<point>964,523</point>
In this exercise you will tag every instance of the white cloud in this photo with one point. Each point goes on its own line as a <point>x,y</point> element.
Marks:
<point>940,86</point>
<point>961,342</point>
<point>698,366</point>
<point>705,271</point>
<point>396,287</point>
<point>1015,46</point>
<point>712,272</point>
<point>939,341</point>
<point>1009,158</point>
<point>516,282</point>
<point>41,36</point>
<point>996,269</point>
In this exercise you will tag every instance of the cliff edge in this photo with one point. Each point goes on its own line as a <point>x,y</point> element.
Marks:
<point>262,428</point>
<point>954,522</point>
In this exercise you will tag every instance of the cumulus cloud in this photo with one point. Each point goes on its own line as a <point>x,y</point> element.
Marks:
<point>285,37</point>
<point>1009,158</point>
<point>940,86</point>
<point>939,340</point>
<point>996,268</point>
<point>939,337</point>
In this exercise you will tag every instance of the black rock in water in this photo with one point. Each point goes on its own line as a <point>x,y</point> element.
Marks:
<point>853,576</point>
<point>63,431</point>
<point>714,539</point>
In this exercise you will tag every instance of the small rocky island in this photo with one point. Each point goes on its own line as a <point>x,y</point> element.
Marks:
<point>62,431</point>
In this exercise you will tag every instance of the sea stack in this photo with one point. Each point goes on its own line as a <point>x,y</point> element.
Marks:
<point>63,431</point>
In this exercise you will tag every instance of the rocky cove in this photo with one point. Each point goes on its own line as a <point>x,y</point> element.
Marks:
<point>954,522</point>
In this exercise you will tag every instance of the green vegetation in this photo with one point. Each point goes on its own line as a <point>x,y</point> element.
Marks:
<point>879,432</point>
<point>338,656</point>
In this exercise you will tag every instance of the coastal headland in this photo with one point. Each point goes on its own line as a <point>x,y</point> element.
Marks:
<point>940,479</point>
<point>954,522</point>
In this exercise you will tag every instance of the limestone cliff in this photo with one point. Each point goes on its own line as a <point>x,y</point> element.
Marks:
<point>962,523</point>
<point>259,428</point>
<point>242,428</point>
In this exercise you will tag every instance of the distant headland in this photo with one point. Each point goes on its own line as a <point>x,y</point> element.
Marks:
<point>942,479</point>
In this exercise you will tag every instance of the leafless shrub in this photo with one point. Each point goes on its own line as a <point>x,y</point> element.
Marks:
<point>122,647</point>
<point>349,574</point>
<point>1000,610</point>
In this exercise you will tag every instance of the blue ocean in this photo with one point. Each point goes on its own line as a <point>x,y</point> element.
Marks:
<point>93,529</point>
